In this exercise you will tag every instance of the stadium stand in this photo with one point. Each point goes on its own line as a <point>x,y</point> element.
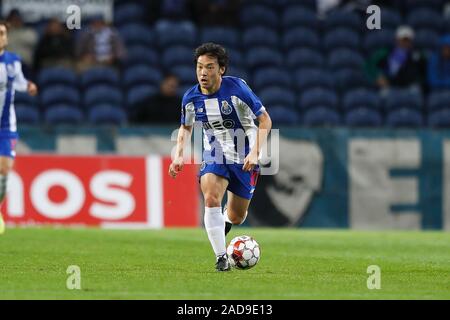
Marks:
<point>306,68</point>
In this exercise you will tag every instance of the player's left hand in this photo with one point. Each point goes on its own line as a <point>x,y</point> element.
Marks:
<point>251,160</point>
<point>32,88</point>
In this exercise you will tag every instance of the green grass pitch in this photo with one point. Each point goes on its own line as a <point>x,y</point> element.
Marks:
<point>179,264</point>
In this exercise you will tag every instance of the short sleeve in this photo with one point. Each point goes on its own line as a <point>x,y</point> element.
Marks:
<point>187,111</point>
<point>249,97</point>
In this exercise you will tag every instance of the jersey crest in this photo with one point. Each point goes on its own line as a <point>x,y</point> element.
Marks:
<point>226,108</point>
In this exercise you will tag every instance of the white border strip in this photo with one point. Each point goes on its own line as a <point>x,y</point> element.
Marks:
<point>153,168</point>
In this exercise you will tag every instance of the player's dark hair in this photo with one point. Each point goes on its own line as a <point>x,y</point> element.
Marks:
<point>214,50</point>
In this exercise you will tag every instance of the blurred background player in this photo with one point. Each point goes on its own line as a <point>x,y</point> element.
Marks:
<point>11,79</point>
<point>159,108</point>
<point>224,105</point>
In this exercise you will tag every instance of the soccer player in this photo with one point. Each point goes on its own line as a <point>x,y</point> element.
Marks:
<point>226,106</point>
<point>11,80</point>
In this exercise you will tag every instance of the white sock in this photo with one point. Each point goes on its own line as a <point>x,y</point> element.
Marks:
<point>225,216</point>
<point>215,225</point>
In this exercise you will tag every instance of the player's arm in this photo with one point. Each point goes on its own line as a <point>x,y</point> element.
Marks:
<point>265,124</point>
<point>184,135</point>
<point>22,84</point>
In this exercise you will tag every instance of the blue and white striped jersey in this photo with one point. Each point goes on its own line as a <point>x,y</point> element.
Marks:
<point>227,117</point>
<point>11,79</point>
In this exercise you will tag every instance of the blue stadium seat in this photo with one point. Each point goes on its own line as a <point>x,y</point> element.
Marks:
<point>23,98</point>
<point>141,55</point>
<point>428,4</point>
<point>317,97</point>
<point>238,72</point>
<point>424,18</point>
<point>138,34</point>
<point>27,115</point>
<point>305,58</point>
<point>311,78</point>
<point>404,99</point>
<point>299,16</point>
<point>348,79</point>
<point>390,19</point>
<point>277,96</point>
<point>363,117</point>
<point>439,119</point>
<point>321,116</point>
<point>345,59</point>
<point>56,75</point>
<point>107,115</point>
<point>404,118</point>
<point>379,39</point>
<point>341,38</point>
<point>260,36</point>
<point>439,100</point>
<point>63,114</point>
<point>267,77</point>
<point>262,56</point>
<point>282,115</point>
<point>101,94</point>
<point>140,93</point>
<point>254,15</point>
<point>127,13</point>
<point>235,57</point>
<point>176,34</point>
<point>59,94</point>
<point>361,98</point>
<point>100,75</point>
<point>301,37</point>
<point>427,40</point>
<point>186,75</point>
<point>228,37</point>
<point>177,55</point>
<point>347,19</point>
<point>142,74</point>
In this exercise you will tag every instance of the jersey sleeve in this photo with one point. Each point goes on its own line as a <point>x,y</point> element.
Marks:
<point>187,111</point>
<point>20,83</point>
<point>250,98</point>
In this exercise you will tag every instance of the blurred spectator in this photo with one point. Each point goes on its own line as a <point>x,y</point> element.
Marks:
<point>164,107</point>
<point>99,45</point>
<point>400,67</point>
<point>217,12</point>
<point>21,39</point>
<point>55,48</point>
<point>439,66</point>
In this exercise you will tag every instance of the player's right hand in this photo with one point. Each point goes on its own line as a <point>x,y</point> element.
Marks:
<point>176,166</point>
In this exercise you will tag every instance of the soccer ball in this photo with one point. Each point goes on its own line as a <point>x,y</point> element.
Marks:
<point>243,252</point>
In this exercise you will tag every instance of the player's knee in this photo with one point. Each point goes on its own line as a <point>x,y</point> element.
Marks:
<point>212,200</point>
<point>4,170</point>
<point>237,219</point>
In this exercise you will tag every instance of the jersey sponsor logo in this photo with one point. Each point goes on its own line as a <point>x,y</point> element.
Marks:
<point>226,108</point>
<point>219,124</point>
